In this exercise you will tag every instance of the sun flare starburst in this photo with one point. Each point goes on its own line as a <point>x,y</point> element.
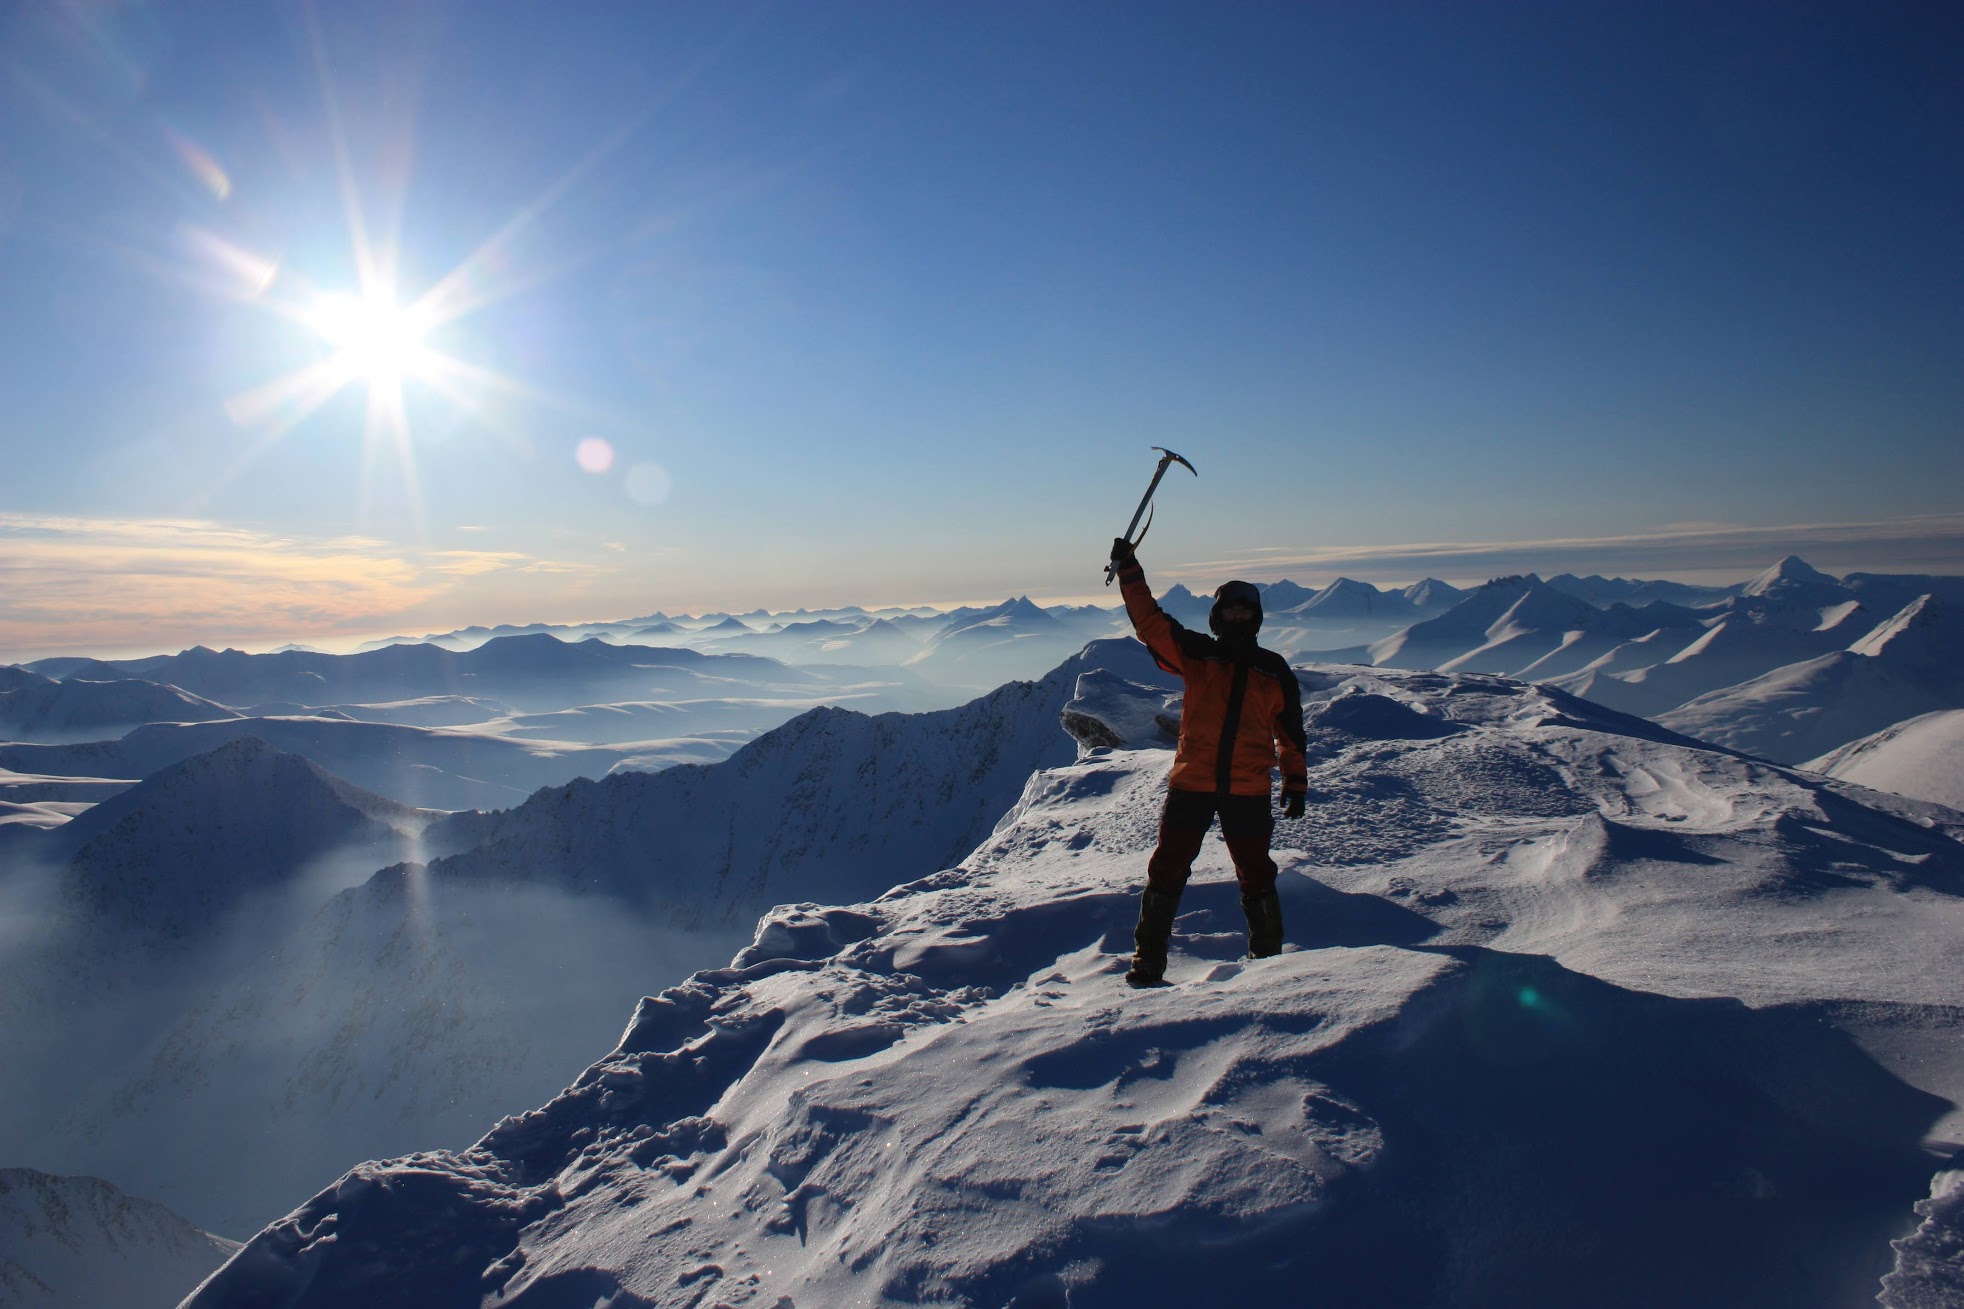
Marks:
<point>375,338</point>
<point>367,335</point>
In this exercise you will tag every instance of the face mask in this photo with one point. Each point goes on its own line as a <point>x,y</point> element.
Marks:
<point>1237,633</point>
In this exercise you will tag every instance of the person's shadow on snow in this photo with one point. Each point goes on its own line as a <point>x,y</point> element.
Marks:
<point>1212,926</point>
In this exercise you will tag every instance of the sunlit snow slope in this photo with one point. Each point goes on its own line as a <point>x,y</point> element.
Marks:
<point>1922,757</point>
<point>1576,1012</point>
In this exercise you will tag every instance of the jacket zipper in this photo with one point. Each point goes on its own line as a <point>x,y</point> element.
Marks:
<point>1224,764</point>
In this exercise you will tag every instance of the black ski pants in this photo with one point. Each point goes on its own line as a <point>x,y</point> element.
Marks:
<point>1247,822</point>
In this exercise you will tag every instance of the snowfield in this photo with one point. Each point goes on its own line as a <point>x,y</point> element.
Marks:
<point>1921,757</point>
<point>1576,1012</point>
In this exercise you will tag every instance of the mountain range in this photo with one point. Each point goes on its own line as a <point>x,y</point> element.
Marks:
<point>1575,1011</point>
<point>278,925</point>
<point>330,1013</point>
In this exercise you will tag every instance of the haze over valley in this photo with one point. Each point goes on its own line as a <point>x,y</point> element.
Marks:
<point>567,737</point>
<point>325,908</point>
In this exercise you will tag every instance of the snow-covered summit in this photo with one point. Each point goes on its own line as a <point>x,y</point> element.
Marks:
<point>1348,598</point>
<point>1794,580</point>
<point>855,803</point>
<point>174,853</point>
<point>1509,625</point>
<point>1577,1013</point>
<point>1431,593</point>
<point>1008,641</point>
<point>1285,594</point>
<point>1926,637</point>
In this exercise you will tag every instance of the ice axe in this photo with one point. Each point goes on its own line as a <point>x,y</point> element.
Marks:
<point>1165,457</point>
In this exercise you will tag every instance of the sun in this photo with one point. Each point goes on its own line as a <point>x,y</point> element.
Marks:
<point>375,339</point>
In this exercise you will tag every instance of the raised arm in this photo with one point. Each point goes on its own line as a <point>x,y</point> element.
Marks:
<point>1152,624</point>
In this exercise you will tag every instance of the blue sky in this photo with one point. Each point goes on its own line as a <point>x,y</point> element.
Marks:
<point>886,302</point>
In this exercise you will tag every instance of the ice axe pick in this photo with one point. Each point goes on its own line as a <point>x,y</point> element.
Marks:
<point>1165,457</point>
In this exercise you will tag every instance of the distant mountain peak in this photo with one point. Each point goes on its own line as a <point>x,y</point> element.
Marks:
<point>1925,632</point>
<point>1790,572</point>
<point>1018,608</point>
<point>175,850</point>
<point>1431,593</point>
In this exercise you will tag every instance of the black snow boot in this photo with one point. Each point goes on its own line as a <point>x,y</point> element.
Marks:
<point>1264,924</point>
<point>1156,913</point>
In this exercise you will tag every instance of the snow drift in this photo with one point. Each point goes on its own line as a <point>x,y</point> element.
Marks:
<point>1576,1012</point>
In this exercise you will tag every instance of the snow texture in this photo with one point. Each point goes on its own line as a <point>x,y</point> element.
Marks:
<point>1575,1012</point>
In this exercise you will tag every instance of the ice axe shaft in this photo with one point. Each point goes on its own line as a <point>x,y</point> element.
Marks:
<point>1165,457</point>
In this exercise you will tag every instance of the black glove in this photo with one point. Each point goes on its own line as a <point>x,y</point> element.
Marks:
<point>1292,805</point>
<point>1122,552</point>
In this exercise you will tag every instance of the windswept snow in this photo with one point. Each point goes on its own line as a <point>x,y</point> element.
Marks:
<point>1575,1012</point>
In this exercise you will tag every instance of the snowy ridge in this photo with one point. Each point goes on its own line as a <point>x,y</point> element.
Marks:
<point>418,1007</point>
<point>1910,664</point>
<point>1789,614</point>
<point>531,672</point>
<point>79,1243</point>
<point>1606,591</point>
<point>855,803</point>
<point>984,648</point>
<point>1524,930</point>
<point>1795,581</point>
<point>1921,757</point>
<point>424,767</point>
<point>1345,598</point>
<point>36,708</point>
<point>177,852</point>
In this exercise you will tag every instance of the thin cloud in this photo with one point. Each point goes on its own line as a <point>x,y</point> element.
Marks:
<point>472,563</point>
<point>72,584</point>
<point>563,568</point>
<point>1705,551</point>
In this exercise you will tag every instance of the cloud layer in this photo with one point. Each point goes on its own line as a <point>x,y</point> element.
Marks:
<point>78,584</point>
<point>1703,552</point>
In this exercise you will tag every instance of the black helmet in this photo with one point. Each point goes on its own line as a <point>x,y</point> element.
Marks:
<point>1235,593</point>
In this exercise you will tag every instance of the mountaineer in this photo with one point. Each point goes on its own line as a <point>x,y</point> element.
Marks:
<point>1242,708</point>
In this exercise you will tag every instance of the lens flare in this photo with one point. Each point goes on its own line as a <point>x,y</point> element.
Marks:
<point>594,455</point>
<point>202,166</point>
<point>648,484</point>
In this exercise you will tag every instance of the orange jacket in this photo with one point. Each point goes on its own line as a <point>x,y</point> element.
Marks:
<point>1243,707</point>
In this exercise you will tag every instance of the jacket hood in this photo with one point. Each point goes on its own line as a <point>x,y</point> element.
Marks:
<point>1232,593</point>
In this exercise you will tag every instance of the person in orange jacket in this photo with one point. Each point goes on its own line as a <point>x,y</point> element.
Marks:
<point>1243,711</point>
